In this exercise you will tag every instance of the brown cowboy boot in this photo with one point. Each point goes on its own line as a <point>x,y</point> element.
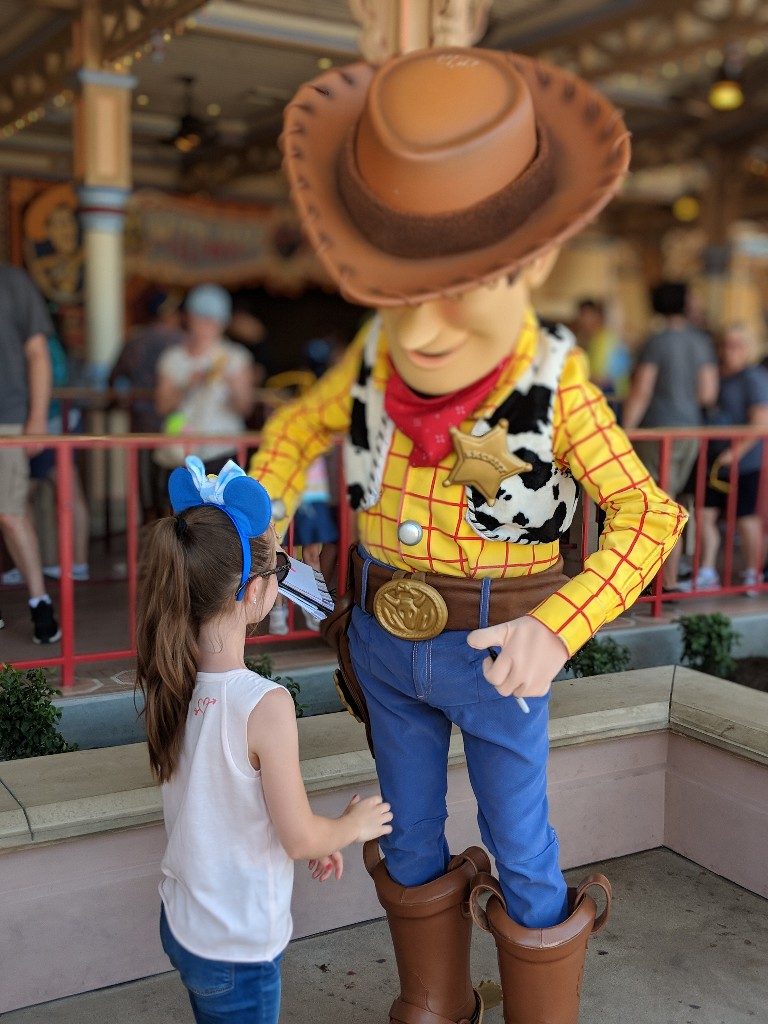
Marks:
<point>431,931</point>
<point>541,968</point>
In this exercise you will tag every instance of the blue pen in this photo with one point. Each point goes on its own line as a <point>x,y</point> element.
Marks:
<point>522,703</point>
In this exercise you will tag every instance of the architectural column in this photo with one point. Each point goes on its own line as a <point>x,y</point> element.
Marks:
<point>399,26</point>
<point>103,172</point>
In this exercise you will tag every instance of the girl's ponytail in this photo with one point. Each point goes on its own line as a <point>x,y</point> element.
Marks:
<point>166,643</point>
<point>189,573</point>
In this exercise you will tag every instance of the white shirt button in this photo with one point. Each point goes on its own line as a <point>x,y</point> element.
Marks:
<point>409,532</point>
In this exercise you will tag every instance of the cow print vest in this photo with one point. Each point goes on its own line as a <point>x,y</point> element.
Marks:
<point>532,508</point>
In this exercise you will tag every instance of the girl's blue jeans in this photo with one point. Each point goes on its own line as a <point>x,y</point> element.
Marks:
<point>415,692</point>
<point>225,993</point>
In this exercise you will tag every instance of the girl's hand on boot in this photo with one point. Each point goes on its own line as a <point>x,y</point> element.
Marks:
<point>324,867</point>
<point>531,656</point>
<point>371,817</point>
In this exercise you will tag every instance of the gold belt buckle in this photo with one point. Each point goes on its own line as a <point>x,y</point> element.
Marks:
<point>410,609</point>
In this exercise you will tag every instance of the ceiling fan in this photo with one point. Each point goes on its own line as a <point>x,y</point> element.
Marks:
<point>192,132</point>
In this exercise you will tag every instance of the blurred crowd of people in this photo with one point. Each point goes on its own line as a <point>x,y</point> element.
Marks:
<point>194,365</point>
<point>192,368</point>
<point>685,377</point>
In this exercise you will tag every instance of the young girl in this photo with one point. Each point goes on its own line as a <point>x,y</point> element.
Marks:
<point>224,744</point>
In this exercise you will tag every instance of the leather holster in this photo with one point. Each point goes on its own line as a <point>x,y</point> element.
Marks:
<point>334,630</point>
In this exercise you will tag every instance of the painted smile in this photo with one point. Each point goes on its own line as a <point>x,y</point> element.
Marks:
<point>432,360</point>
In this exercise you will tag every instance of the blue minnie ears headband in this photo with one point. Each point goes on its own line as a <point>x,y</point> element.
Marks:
<point>240,497</point>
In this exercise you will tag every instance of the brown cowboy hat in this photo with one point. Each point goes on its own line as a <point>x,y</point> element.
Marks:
<point>448,168</point>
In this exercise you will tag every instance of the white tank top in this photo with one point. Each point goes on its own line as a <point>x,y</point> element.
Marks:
<point>227,880</point>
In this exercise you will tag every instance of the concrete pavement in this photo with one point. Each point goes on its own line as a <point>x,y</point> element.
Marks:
<point>683,947</point>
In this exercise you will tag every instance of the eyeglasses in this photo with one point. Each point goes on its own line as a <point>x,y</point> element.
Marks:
<point>280,571</point>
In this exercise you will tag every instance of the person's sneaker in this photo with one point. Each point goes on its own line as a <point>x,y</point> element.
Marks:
<point>751,578</point>
<point>11,578</point>
<point>46,628</point>
<point>81,572</point>
<point>705,579</point>
<point>278,621</point>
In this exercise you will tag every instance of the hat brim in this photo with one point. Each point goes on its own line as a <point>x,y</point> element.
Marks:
<point>591,158</point>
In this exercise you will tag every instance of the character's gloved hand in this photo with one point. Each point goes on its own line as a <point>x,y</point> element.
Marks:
<point>531,656</point>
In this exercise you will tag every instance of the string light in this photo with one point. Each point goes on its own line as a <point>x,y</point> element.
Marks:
<point>119,65</point>
<point>686,209</point>
<point>726,92</point>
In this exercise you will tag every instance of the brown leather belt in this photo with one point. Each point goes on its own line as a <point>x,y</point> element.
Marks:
<point>419,606</point>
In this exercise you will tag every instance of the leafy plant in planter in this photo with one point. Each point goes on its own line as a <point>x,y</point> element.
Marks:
<point>263,666</point>
<point>28,718</point>
<point>597,657</point>
<point>708,643</point>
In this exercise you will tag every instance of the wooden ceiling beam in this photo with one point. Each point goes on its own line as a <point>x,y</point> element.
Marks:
<point>43,71</point>
<point>573,24</point>
<point>572,41</point>
<point>571,28</point>
<point>56,5</point>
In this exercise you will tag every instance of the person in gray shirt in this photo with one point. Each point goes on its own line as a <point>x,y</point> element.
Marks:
<point>25,390</point>
<point>675,379</point>
<point>743,400</point>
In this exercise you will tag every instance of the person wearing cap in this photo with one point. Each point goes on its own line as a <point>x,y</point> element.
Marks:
<point>136,371</point>
<point>207,382</point>
<point>436,189</point>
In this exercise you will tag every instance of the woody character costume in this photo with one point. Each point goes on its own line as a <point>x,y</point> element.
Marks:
<point>436,189</point>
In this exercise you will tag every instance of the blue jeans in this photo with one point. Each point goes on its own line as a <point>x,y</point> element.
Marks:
<point>225,993</point>
<point>415,692</point>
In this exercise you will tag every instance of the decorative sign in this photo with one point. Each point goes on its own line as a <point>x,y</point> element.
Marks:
<point>53,251</point>
<point>182,241</point>
<point>171,240</point>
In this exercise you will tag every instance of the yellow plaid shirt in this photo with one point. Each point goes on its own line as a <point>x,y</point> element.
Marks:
<point>642,522</point>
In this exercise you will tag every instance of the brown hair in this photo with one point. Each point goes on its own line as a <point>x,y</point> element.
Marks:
<point>188,575</point>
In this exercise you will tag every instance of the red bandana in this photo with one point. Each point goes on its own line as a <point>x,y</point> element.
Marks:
<point>426,420</point>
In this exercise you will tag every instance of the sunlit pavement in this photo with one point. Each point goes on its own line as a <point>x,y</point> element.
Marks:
<point>683,947</point>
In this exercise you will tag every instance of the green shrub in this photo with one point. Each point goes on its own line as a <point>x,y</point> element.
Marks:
<point>708,643</point>
<point>28,718</point>
<point>262,664</point>
<point>597,657</point>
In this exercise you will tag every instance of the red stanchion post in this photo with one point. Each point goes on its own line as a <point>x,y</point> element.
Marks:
<point>730,518</point>
<point>132,537</point>
<point>698,505</point>
<point>65,483</point>
<point>665,457</point>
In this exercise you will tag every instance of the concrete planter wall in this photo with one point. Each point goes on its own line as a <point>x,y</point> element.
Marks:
<point>111,719</point>
<point>641,759</point>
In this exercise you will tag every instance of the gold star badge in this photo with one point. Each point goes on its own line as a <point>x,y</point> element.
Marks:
<point>483,462</point>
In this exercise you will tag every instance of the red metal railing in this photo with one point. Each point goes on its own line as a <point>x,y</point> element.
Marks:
<point>132,444</point>
<point>704,435</point>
